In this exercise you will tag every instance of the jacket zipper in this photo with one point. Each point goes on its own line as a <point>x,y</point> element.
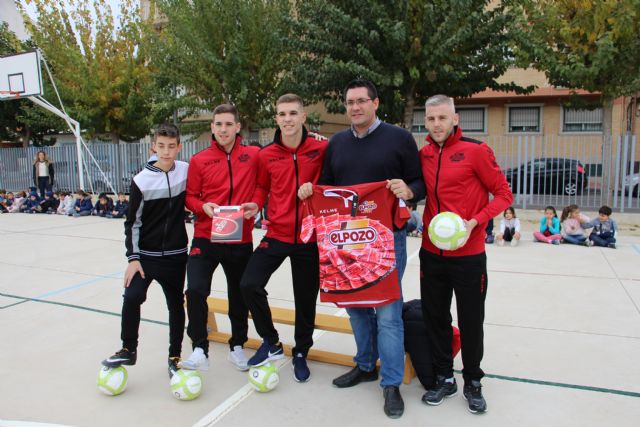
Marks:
<point>435,191</point>
<point>295,198</point>
<point>166,219</point>
<point>230,178</point>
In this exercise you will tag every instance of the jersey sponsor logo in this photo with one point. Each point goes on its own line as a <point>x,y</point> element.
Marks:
<point>328,211</point>
<point>313,154</point>
<point>353,234</point>
<point>457,157</point>
<point>212,162</point>
<point>367,206</point>
<point>244,157</point>
<point>277,159</point>
<point>428,156</point>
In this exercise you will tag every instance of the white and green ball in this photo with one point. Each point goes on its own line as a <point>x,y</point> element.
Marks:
<point>447,231</point>
<point>264,378</point>
<point>112,381</point>
<point>186,384</point>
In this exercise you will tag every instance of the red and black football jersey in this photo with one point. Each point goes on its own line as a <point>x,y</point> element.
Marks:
<point>354,229</point>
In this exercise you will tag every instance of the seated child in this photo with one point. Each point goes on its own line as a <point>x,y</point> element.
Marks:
<point>17,202</point>
<point>83,204</point>
<point>104,205</point>
<point>572,231</point>
<point>49,204</point>
<point>121,207</point>
<point>509,228</point>
<point>604,229</point>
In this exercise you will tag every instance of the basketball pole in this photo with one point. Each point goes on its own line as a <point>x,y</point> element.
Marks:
<point>75,129</point>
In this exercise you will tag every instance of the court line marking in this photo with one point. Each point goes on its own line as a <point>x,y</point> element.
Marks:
<point>494,376</point>
<point>220,411</point>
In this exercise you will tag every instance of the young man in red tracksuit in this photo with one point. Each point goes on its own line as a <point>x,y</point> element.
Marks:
<point>292,159</point>
<point>459,174</point>
<point>222,175</point>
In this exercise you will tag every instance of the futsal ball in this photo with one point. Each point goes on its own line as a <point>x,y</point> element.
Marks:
<point>112,381</point>
<point>447,231</point>
<point>186,384</point>
<point>264,378</point>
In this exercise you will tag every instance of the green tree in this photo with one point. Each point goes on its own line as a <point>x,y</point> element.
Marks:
<point>216,51</point>
<point>589,45</point>
<point>100,64</point>
<point>410,49</point>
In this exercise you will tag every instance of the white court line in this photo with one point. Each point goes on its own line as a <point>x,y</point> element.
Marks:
<point>247,390</point>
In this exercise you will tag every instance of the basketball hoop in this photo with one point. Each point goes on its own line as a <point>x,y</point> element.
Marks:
<point>9,94</point>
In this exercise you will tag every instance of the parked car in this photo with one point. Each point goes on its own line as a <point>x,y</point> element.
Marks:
<point>550,175</point>
<point>632,184</point>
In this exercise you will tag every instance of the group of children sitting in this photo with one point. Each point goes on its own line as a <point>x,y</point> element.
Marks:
<point>570,228</point>
<point>63,203</point>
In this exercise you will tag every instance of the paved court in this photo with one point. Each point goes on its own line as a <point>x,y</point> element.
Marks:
<point>562,341</point>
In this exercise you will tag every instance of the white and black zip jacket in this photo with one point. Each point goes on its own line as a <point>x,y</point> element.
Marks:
<point>155,222</point>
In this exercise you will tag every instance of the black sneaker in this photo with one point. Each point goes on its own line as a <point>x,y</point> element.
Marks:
<point>435,395</point>
<point>301,372</point>
<point>611,245</point>
<point>174,363</point>
<point>473,395</point>
<point>266,353</point>
<point>121,357</point>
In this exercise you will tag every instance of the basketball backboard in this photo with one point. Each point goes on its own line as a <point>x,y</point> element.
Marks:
<point>20,75</point>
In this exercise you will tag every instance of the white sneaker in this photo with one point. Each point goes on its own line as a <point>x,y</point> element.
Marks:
<point>238,358</point>
<point>514,242</point>
<point>198,361</point>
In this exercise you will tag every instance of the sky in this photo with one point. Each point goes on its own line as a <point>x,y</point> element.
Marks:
<point>115,7</point>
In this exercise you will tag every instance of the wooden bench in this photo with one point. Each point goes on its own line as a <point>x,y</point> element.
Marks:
<point>286,316</point>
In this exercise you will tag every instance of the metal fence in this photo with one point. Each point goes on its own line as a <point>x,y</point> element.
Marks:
<point>542,170</point>
<point>561,170</point>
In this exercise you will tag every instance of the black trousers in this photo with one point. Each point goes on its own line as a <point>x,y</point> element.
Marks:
<point>43,185</point>
<point>203,261</point>
<point>305,272</point>
<point>169,272</point>
<point>440,277</point>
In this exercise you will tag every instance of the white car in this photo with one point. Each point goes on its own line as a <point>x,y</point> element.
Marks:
<point>632,184</point>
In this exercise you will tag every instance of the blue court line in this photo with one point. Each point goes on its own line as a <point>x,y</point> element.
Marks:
<point>495,376</point>
<point>79,285</point>
<point>636,247</point>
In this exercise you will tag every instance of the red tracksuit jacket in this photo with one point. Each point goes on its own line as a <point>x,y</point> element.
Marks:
<point>225,179</point>
<point>281,172</point>
<point>459,177</point>
<point>354,228</point>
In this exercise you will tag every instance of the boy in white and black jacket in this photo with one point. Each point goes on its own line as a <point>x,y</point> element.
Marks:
<point>156,242</point>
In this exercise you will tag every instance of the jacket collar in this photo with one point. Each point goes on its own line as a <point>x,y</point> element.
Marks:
<point>452,139</point>
<point>153,168</point>
<point>214,143</point>
<point>277,139</point>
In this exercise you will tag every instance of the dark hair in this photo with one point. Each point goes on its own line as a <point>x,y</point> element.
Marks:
<point>567,211</point>
<point>552,209</point>
<point>510,209</point>
<point>227,108</point>
<point>121,194</point>
<point>371,89</point>
<point>605,210</point>
<point>81,193</point>
<point>169,130</point>
<point>412,205</point>
<point>290,97</point>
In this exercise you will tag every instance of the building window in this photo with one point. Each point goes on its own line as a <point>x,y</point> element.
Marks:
<point>524,119</point>
<point>472,120</point>
<point>574,120</point>
<point>418,121</point>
